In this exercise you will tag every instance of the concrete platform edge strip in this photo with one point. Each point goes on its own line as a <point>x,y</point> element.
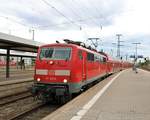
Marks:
<point>87,106</point>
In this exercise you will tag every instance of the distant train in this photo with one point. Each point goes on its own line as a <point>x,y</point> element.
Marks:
<point>63,69</point>
<point>3,63</point>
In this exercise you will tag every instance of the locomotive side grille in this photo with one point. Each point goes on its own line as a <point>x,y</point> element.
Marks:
<point>41,72</point>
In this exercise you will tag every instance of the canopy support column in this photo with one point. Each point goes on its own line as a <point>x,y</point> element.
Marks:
<point>7,63</point>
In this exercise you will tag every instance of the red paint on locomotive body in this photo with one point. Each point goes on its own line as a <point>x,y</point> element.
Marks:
<point>79,67</point>
<point>71,66</point>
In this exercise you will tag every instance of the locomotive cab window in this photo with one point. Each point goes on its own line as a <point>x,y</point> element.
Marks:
<point>57,53</point>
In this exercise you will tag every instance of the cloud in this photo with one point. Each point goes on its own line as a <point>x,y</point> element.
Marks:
<point>62,14</point>
<point>80,19</point>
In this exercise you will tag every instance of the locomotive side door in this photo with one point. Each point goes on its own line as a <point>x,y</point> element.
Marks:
<point>82,59</point>
<point>84,67</point>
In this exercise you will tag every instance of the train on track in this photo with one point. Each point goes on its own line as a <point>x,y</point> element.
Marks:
<point>62,69</point>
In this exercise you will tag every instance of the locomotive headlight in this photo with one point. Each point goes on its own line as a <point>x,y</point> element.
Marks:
<point>38,79</point>
<point>51,62</point>
<point>65,80</point>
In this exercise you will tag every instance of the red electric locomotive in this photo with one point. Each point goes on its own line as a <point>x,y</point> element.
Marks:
<point>62,69</point>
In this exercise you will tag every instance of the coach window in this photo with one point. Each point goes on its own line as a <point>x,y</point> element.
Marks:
<point>80,55</point>
<point>100,59</point>
<point>96,58</point>
<point>104,59</point>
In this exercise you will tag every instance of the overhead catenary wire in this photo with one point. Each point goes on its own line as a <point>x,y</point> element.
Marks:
<point>70,8</point>
<point>15,21</point>
<point>93,7</point>
<point>81,11</point>
<point>75,22</point>
<point>97,11</point>
<point>53,7</point>
<point>81,20</point>
<point>85,9</point>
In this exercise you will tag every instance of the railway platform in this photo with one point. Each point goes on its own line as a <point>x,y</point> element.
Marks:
<point>17,74</point>
<point>122,96</point>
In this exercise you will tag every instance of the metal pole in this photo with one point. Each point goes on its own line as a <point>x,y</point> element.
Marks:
<point>126,57</point>
<point>115,48</point>
<point>21,62</point>
<point>112,52</point>
<point>136,54</point>
<point>136,50</point>
<point>7,63</point>
<point>118,45</point>
<point>32,34</point>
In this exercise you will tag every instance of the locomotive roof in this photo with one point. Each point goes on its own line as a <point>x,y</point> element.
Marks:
<point>74,45</point>
<point>109,58</point>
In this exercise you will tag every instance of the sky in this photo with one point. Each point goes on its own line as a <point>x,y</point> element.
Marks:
<point>79,20</point>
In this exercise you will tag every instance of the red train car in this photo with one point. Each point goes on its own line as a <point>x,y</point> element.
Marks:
<point>64,69</point>
<point>11,63</point>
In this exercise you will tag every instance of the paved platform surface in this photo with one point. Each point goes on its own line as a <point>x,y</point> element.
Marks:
<point>127,98</point>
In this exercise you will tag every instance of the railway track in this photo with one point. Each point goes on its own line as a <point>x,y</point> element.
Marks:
<point>14,109</point>
<point>13,90</point>
<point>16,99</point>
<point>10,88</point>
<point>39,112</point>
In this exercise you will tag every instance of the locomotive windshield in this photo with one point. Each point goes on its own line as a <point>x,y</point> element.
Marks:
<point>55,53</point>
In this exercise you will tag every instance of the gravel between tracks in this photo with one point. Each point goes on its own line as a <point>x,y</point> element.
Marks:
<point>14,109</point>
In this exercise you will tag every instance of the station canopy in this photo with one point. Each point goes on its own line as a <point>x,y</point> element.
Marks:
<point>10,42</point>
<point>17,43</point>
